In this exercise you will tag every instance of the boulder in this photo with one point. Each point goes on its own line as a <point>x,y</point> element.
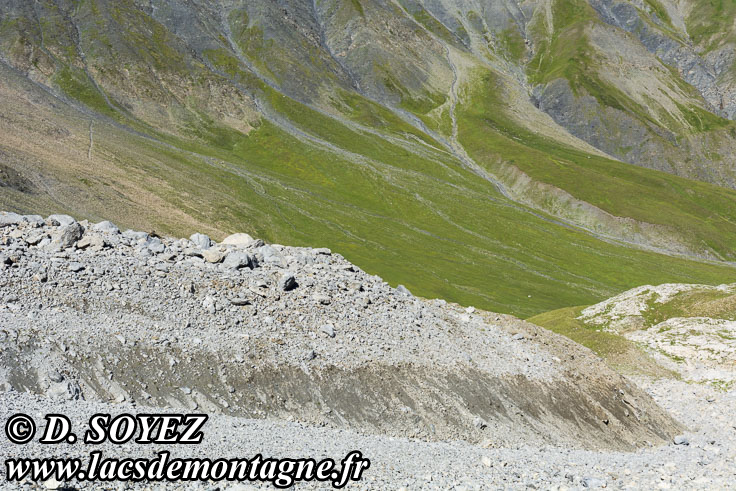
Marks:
<point>241,239</point>
<point>106,227</point>
<point>287,282</point>
<point>67,236</point>
<point>212,255</point>
<point>270,255</point>
<point>237,260</point>
<point>201,240</point>
<point>10,218</point>
<point>60,220</point>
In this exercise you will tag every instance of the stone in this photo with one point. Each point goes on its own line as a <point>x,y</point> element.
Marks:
<point>403,290</point>
<point>328,329</point>
<point>67,236</point>
<point>93,241</point>
<point>192,252</point>
<point>75,267</point>
<point>60,220</point>
<point>34,220</point>
<point>213,256</point>
<point>209,304</point>
<point>271,256</point>
<point>10,218</point>
<point>34,238</point>
<point>518,337</point>
<point>322,251</point>
<point>201,240</point>
<point>133,235</point>
<point>681,440</point>
<point>156,246</point>
<point>237,260</point>
<point>480,423</point>
<point>240,301</point>
<point>287,282</point>
<point>55,376</point>
<point>240,239</point>
<point>106,227</point>
<point>486,461</point>
<point>321,298</point>
<point>51,483</point>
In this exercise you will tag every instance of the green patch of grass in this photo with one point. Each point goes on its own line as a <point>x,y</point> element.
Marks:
<point>701,120</point>
<point>370,114</point>
<point>513,44</point>
<point>693,303</point>
<point>358,6</point>
<point>433,25</point>
<point>658,9</point>
<point>75,84</point>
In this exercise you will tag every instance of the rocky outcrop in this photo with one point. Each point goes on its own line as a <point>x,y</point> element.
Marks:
<point>687,328</point>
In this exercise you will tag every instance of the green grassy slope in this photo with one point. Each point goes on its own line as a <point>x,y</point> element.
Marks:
<point>188,140</point>
<point>698,210</point>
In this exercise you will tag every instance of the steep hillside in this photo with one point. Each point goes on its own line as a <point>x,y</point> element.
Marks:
<point>450,146</point>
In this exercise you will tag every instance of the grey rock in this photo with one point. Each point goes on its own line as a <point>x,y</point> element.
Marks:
<point>156,246</point>
<point>237,260</point>
<point>240,301</point>
<point>93,241</point>
<point>60,220</point>
<point>321,298</point>
<point>209,304</point>
<point>134,235</point>
<point>403,290</point>
<point>681,440</point>
<point>106,227</point>
<point>192,252</point>
<point>201,240</point>
<point>34,220</point>
<point>67,236</point>
<point>287,282</point>
<point>270,255</point>
<point>55,376</point>
<point>212,255</point>
<point>328,329</point>
<point>240,239</point>
<point>75,267</point>
<point>10,218</point>
<point>35,237</point>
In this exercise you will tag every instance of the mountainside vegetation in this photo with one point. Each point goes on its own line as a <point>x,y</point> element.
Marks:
<point>520,158</point>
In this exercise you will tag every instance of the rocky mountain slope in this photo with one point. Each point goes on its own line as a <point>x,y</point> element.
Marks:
<point>297,352</point>
<point>258,330</point>
<point>445,145</point>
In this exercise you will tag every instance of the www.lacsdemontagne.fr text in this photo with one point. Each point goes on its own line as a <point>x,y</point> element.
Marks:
<point>281,473</point>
